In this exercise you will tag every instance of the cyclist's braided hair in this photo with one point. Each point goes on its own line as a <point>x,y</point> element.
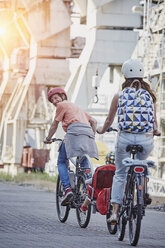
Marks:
<point>144,86</point>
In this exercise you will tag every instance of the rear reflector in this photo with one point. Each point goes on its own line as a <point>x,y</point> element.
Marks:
<point>138,169</point>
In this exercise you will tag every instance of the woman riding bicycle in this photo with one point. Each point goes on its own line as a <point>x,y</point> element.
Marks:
<point>80,128</point>
<point>137,123</point>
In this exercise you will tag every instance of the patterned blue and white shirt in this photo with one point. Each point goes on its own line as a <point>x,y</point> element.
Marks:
<point>135,111</point>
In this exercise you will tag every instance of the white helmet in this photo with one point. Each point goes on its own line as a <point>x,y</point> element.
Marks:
<point>132,68</point>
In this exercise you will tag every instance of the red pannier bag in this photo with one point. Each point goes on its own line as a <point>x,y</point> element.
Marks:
<point>103,176</point>
<point>101,184</point>
<point>103,200</point>
<point>102,180</point>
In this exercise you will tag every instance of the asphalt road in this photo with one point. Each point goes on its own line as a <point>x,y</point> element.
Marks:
<point>28,219</point>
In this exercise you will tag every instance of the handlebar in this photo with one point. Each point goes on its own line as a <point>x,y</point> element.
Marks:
<point>110,129</point>
<point>158,134</point>
<point>55,139</point>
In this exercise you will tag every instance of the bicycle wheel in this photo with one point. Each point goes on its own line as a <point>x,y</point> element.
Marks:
<point>62,211</point>
<point>121,226</point>
<point>135,216</point>
<point>83,219</point>
<point>122,222</point>
<point>111,228</point>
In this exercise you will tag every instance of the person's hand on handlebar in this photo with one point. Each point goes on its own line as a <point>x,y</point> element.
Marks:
<point>157,132</point>
<point>99,130</point>
<point>47,141</point>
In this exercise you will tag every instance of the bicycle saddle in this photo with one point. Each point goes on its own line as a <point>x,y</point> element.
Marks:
<point>134,148</point>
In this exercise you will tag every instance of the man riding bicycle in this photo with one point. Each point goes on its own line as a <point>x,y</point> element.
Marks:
<point>80,130</point>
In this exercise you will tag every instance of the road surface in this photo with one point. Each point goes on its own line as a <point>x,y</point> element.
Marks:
<point>28,219</point>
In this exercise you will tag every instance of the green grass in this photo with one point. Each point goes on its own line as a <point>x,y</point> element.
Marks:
<point>5,177</point>
<point>23,177</point>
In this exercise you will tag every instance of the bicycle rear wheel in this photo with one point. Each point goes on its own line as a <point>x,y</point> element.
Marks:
<point>62,211</point>
<point>83,219</point>
<point>135,217</point>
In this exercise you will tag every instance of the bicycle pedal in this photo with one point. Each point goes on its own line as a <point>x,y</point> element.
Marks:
<point>66,204</point>
<point>113,223</point>
<point>148,201</point>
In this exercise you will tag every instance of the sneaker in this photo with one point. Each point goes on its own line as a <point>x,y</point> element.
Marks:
<point>67,196</point>
<point>83,209</point>
<point>113,219</point>
<point>147,199</point>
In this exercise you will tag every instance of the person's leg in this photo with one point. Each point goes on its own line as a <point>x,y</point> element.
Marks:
<point>121,171</point>
<point>84,163</point>
<point>87,200</point>
<point>62,168</point>
<point>146,140</point>
<point>85,204</point>
<point>115,208</point>
<point>64,176</point>
<point>119,178</point>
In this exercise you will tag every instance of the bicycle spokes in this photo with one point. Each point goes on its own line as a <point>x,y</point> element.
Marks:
<point>62,211</point>
<point>135,216</point>
<point>83,219</point>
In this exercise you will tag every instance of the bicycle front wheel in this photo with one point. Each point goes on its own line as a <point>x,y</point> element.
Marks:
<point>62,211</point>
<point>135,217</point>
<point>83,219</point>
<point>111,228</point>
<point>121,226</point>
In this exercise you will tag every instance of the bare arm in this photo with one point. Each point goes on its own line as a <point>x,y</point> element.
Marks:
<point>52,130</point>
<point>156,131</point>
<point>93,124</point>
<point>111,115</point>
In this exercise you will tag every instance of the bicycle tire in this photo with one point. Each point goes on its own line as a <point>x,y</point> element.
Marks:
<point>111,228</point>
<point>122,222</point>
<point>135,217</point>
<point>83,219</point>
<point>121,226</point>
<point>62,211</point>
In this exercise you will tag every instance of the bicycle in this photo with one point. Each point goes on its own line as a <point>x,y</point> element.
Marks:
<point>98,185</point>
<point>79,188</point>
<point>134,203</point>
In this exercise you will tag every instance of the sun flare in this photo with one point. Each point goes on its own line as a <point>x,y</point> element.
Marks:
<point>2,31</point>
